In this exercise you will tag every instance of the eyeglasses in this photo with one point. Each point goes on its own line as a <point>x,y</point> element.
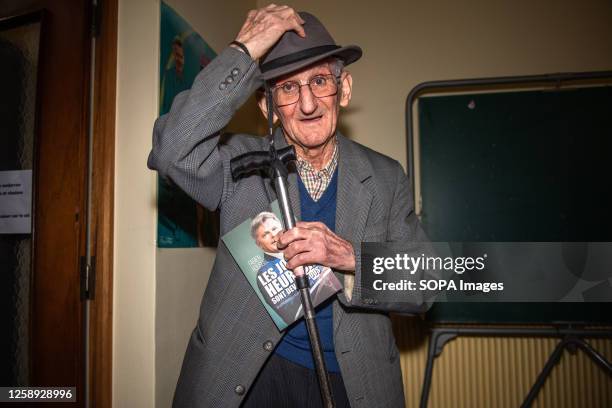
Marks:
<point>321,86</point>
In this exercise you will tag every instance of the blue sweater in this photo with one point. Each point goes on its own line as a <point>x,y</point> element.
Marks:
<point>295,344</point>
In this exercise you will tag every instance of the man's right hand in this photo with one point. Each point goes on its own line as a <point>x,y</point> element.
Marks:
<point>263,28</point>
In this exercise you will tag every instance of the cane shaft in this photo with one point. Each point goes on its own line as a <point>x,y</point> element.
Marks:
<point>317,348</point>
<point>302,283</point>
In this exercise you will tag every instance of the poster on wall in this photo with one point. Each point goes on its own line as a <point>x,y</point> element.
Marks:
<point>181,222</point>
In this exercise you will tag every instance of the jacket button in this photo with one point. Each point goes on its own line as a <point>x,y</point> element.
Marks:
<point>235,71</point>
<point>268,345</point>
<point>222,85</point>
<point>239,389</point>
<point>229,79</point>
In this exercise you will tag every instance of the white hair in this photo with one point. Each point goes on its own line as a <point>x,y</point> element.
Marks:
<point>336,66</point>
<point>260,219</point>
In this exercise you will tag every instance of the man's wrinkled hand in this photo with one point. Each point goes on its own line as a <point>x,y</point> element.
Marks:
<point>313,243</point>
<point>264,27</point>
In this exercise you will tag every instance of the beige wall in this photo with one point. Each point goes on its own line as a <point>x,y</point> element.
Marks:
<point>157,292</point>
<point>182,275</point>
<point>135,214</point>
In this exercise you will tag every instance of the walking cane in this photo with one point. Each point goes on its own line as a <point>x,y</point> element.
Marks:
<point>275,162</point>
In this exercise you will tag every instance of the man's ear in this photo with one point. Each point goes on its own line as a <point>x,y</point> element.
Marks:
<point>347,88</point>
<point>263,106</point>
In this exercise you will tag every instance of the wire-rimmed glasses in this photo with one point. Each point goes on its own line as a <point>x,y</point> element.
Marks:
<point>320,85</point>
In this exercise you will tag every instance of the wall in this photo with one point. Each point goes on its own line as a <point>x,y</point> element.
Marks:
<point>135,214</point>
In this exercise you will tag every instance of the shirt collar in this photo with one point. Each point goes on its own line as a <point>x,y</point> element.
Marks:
<point>327,171</point>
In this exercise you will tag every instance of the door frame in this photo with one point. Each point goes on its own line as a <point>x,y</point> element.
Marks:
<point>102,210</point>
<point>105,16</point>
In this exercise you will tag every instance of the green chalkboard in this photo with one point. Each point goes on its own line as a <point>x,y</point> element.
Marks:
<point>518,166</point>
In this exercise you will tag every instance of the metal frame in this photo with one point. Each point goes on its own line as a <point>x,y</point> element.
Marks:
<point>476,84</point>
<point>572,338</point>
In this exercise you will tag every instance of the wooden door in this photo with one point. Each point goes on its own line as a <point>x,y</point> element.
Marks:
<point>56,333</point>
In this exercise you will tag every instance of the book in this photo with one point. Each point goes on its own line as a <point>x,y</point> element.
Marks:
<point>253,247</point>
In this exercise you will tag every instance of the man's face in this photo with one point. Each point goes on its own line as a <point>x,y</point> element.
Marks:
<point>311,121</point>
<point>266,235</point>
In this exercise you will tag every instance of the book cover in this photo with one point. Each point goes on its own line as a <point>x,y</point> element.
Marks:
<point>253,246</point>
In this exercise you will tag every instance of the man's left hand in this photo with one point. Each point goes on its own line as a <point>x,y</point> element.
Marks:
<point>313,243</point>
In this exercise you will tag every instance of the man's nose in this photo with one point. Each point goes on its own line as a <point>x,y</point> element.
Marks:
<point>308,102</point>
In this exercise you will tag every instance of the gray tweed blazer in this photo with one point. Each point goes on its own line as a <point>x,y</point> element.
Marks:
<point>234,334</point>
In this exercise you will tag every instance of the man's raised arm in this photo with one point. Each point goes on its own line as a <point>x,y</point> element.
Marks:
<point>185,140</point>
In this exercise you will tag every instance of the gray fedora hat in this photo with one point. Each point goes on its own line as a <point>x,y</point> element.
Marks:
<point>293,52</point>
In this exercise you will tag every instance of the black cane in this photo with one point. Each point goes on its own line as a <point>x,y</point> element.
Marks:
<point>275,162</point>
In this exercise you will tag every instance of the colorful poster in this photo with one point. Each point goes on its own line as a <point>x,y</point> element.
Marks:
<point>181,223</point>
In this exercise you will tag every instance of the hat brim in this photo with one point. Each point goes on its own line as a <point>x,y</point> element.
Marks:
<point>348,54</point>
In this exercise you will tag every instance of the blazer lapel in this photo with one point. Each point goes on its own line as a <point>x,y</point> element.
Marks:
<point>353,198</point>
<point>353,202</point>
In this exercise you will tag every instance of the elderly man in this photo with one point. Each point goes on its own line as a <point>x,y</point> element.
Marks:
<point>342,192</point>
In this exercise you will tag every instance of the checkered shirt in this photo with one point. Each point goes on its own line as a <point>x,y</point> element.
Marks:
<point>316,181</point>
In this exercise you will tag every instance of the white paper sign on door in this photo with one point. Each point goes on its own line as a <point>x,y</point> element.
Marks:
<point>16,202</point>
